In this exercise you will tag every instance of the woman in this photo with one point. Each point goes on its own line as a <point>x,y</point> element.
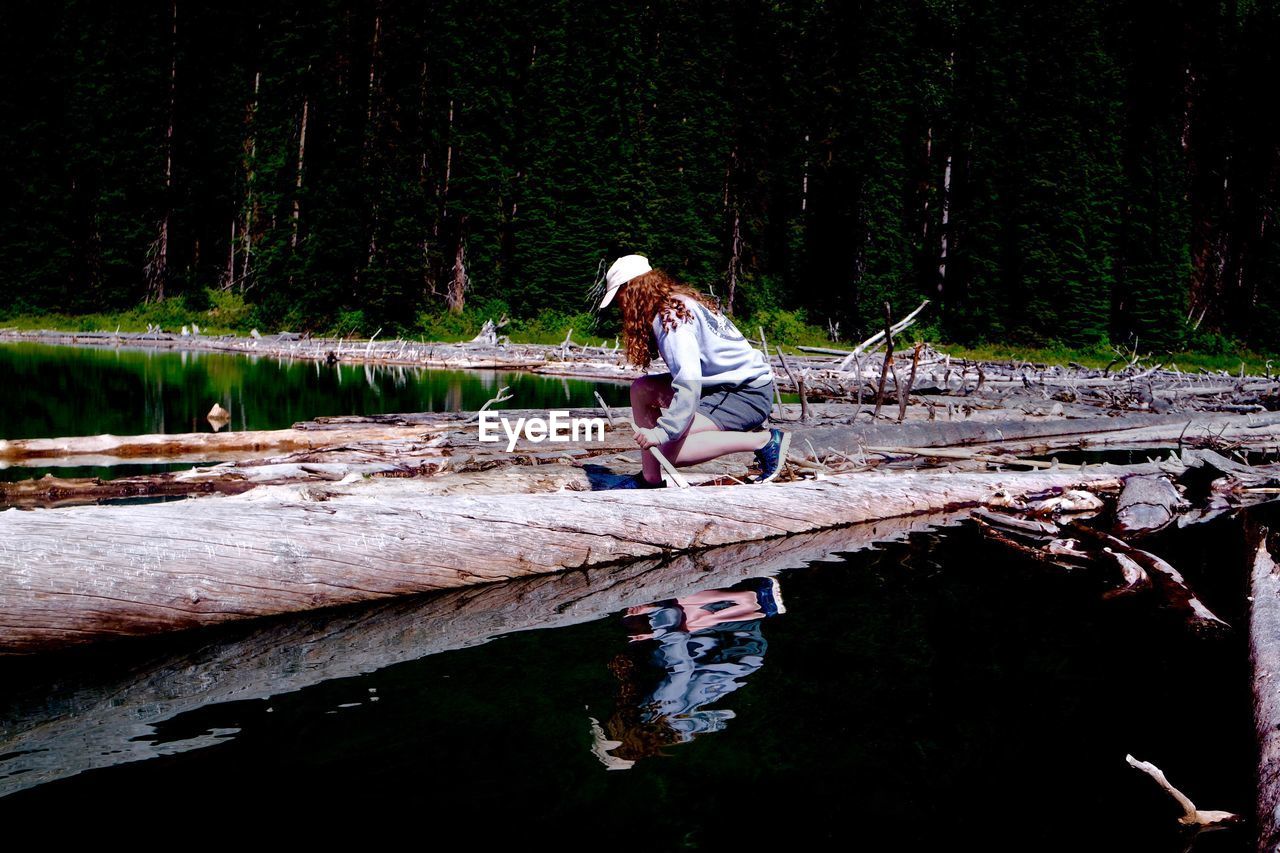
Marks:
<point>719,391</point>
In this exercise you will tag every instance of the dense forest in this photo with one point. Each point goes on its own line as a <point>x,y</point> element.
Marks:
<point>1082,172</point>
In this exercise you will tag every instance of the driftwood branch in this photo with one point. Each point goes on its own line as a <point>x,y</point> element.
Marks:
<point>888,359</point>
<point>501,397</point>
<point>1191,815</point>
<point>665,464</point>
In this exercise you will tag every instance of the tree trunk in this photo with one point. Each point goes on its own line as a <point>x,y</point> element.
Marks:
<point>448,158</point>
<point>942,230</point>
<point>804,178</point>
<point>250,172</point>
<point>372,120</point>
<point>735,260</point>
<point>457,296</point>
<point>158,265</point>
<point>184,564</point>
<point>297,185</point>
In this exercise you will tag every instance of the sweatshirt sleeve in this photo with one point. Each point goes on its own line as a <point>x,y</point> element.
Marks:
<point>679,349</point>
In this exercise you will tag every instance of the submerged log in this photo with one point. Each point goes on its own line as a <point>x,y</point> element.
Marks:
<point>1167,580</point>
<point>1145,505</point>
<point>88,573</point>
<point>1134,578</point>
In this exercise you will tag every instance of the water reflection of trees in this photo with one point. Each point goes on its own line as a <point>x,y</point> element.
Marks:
<point>64,390</point>
<point>686,654</point>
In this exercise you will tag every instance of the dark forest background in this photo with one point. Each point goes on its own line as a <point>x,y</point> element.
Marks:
<point>1081,173</point>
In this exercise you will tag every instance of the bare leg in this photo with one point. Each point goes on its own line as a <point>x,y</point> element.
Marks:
<point>703,441</point>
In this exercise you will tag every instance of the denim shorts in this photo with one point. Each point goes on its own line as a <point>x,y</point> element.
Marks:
<point>737,408</point>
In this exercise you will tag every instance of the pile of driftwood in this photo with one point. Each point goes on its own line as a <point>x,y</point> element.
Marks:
<point>1076,532</point>
<point>1054,529</point>
<point>882,372</point>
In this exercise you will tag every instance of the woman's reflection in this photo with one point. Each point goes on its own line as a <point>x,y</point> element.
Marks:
<point>698,648</point>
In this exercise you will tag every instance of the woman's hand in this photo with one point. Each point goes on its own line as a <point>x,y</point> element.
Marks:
<point>648,437</point>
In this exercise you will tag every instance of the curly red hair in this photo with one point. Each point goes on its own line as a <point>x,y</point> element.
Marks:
<point>645,297</point>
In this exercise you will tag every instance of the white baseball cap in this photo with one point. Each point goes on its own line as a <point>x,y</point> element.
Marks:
<point>623,270</point>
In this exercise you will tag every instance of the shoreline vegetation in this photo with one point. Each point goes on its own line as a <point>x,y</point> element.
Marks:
<point>229,314</point>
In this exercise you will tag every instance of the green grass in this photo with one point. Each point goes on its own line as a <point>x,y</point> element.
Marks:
<point>228,313</point>
<point>133,320</point>
<point>1190,362</point>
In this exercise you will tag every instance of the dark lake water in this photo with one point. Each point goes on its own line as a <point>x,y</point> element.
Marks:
<point>889,699</point>
<point>64,391</point>
<point>915,695</point>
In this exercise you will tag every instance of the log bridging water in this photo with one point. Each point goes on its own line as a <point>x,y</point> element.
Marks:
<point>89,573</point>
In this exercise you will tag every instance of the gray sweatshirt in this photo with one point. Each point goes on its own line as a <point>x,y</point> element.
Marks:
<point>709,350</point>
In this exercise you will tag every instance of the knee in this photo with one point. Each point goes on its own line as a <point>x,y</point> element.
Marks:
<point>644,391</point>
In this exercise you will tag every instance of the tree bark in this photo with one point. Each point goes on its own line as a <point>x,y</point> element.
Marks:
<point>158,264</point>
<point>888,359</point>
<point>1264,654</point>
<point>456,298</point>
<point>297,184</point>
<point>250,172</point>
<point>184,564</point>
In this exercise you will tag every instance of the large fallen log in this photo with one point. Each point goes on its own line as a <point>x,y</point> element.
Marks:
<point>88,573</point>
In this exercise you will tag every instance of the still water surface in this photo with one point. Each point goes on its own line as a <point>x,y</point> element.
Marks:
<point>65,391</point>
<point>888,699</point>
<point>913,695</point>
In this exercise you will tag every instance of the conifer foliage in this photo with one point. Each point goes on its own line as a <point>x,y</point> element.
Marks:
<point>1086,173</point>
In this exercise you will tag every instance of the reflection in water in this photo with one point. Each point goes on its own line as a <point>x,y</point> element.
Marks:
<point>65,391</point>
<point>920,676</point>
<point>701,647</point>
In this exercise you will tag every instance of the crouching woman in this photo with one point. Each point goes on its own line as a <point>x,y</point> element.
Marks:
<point>719,390</point>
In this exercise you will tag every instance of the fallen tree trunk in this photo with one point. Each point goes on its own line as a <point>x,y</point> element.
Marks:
<point>109,449</point>
<point>1264,654</point>
<point>88,573</point>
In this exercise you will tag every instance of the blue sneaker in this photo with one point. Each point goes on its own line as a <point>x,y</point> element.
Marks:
<point>636,481</point>
<point>773,455</point>
<point>768,595</point>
